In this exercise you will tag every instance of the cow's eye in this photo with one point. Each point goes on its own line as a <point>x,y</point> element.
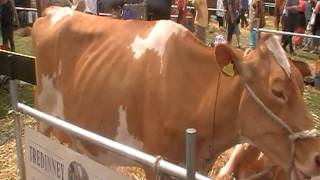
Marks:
<point>279,94</point>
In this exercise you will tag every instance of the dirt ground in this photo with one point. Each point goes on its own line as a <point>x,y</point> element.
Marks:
<point>8,168</point>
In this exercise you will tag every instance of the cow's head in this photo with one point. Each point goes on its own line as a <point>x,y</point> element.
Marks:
<point>275,81</point>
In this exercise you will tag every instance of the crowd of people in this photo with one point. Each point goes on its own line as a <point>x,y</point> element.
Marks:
<point>301,16</point>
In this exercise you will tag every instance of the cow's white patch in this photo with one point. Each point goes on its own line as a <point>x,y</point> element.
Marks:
<point>156,39</point>
<point>229,167</point>
<point>58,13</point>
<point>123,135</point>
<point>50,99</point>
<point>60,68</point>
<point>274,46</point>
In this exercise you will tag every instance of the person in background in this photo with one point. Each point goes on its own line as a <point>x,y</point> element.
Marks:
<point>220,14</point>
<point>91,7</point>
<point>201,18</point>
<point>254,21</point>
<point>289,17</point>
<point>182,6</point>
<point>233,20</point>
<point>7,24</point>
<point>301,24</point>
<point>243,10</point>
<point>314,26</point>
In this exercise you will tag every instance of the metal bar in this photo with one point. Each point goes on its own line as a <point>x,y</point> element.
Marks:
<point>285,33</point>
<point>26,9</point>
<point>191,7</point>
<point>17,129</point>
<point>215,9</point>
<point>175,16</point>
<point>113,146</point>
<point>190,153</point>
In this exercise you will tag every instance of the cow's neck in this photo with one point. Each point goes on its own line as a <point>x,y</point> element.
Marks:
<point>226,131</point>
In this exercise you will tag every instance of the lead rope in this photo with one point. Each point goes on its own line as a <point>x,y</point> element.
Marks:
<point>215,109</point>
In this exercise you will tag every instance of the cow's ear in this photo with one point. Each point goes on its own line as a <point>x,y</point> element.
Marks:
<point>226,55</point>
<point>223,56</point>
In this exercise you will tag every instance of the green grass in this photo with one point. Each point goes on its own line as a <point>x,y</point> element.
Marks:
<point>23,45</point>
<point>312,99</point>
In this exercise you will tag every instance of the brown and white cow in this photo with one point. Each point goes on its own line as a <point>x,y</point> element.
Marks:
<point>143,83</point>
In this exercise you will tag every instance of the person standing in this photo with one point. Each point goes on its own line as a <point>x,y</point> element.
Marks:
<point>182,6</point>
<point>201,18</point>
<point>7,25</point>
<point>243,10</point>
<point>91,7</point>
<point>220,14</point>
<point>289,17</point>
<point>314,26</point>
<point>254,22</point>
<point>301,23</point>
<point>233,20</point>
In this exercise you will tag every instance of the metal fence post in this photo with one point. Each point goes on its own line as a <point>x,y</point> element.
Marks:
<point>190,153</point>
<point>17,129</point>
<point>257,34</point>
<point>146,10</point>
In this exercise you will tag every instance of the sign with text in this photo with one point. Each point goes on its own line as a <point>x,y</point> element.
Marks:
<point>46,159</point>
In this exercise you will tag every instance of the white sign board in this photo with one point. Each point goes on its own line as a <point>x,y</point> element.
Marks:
<point>45,159</point>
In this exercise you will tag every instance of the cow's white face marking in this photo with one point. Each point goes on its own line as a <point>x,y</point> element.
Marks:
<point>123,135</point>
<point>58,13</point>
<point>157,39</point>
<point>274,46</point>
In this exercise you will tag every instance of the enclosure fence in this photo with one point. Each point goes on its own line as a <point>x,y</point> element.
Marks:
<point>259,30</point>
<point>159,165</point>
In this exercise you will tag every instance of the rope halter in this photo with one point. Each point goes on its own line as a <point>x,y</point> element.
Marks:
<point>293,136</point>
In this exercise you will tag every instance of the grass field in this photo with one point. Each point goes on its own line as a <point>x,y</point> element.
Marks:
<point>23,45</point>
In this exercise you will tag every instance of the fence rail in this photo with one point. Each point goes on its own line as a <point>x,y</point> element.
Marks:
<point>284,33</point>
<point>26,9</point>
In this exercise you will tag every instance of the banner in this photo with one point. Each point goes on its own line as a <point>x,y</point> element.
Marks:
<point>46,159</point>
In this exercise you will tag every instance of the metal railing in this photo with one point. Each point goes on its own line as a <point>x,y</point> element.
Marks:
<point>191,7</point>
<point>141,157</point>
<point>284,33</point>
<point>26,9</point>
